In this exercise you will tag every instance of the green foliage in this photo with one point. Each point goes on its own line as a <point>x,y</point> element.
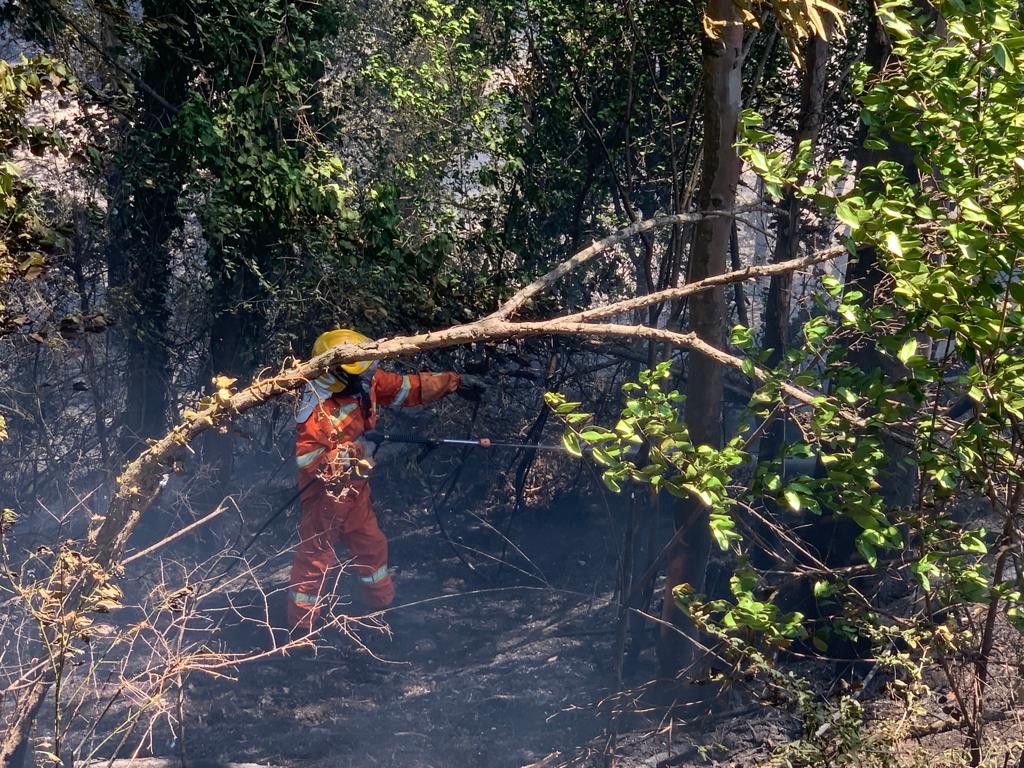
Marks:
<point>268,94</point>
<point>952,320</point>
<point>946,321</point>
<point>650,444</point>
<point>438,82</point>
<point>250,130</point>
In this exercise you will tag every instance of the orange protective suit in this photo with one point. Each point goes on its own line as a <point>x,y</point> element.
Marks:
<point>329,428</point>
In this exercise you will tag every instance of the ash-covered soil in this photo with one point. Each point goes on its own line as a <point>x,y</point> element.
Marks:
<point>511,668</point>
<point>474,670</point>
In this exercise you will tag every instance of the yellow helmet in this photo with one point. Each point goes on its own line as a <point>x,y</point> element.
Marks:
<point>337,337</point>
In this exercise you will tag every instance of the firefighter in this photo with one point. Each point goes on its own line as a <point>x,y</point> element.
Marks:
<point>332,457</point>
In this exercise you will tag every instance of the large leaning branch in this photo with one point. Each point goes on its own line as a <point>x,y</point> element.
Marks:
<point>140,483</point>
<point>674,294</point>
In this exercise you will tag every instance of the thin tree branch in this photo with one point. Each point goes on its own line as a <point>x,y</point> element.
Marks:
<point>541,284</point>
<point>672,294</point>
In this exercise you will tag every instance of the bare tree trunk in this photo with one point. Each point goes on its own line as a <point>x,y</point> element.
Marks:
<point>235,332</point>
<point>14,745</point>
<point>144,216</point>
<point>777,303</point>
<point>812,98</point>
<point>739,295</point>
<point>723,67</point>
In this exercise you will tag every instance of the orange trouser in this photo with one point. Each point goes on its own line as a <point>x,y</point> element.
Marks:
<point>326,521</point>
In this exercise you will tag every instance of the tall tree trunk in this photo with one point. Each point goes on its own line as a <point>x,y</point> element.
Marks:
<point>723,66</point>
<point>144,318</point>
<point>812,97</point>
<point>777,303</point>
<point>144,215</point>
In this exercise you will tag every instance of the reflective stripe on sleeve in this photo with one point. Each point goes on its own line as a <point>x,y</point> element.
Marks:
<point>403,392</point>
<point>302,599</point>
<point>344,413</point>
<point>305,459</point>
<point>377,576</point>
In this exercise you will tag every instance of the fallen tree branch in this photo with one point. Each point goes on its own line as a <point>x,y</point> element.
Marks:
<point>946,724</point>
<point>138,486</point>
<point>177,534</point>
<point>140,483</point>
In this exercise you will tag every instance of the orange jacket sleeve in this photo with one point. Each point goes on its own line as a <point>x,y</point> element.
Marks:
<point>394,390</point>
<point>313,441</point>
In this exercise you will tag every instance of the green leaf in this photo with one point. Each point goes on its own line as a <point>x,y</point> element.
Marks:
<point>567,408</point>
<point>974,541</point>
<point>867,550</point>
<point>908,350</point>
<point>572,444</point>
<point>1016,617</point>
<point>846,215</point>
<point>1003,58</point>
<point>792,500</point>
<point>892,242</point>
<point>920,569</point>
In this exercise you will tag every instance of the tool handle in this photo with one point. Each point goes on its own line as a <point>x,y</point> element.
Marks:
<point>376,436</point>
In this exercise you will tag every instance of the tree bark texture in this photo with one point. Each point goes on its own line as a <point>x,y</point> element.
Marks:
<point>145,215</point>
<point>233,350</point>
<point>812,100</point>
<point>723,93</point>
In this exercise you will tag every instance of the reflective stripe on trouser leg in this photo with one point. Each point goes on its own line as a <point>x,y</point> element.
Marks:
<point>377,576</point>
<point>303,610</point>
<point>318,531</point>
<point>368,548</point>
<point>300,598</point>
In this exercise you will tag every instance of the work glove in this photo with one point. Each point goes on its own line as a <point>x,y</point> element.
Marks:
<point>471,387</point>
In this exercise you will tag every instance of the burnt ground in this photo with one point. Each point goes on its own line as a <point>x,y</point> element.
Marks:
<point>498,669</point>
<point>474,671</point>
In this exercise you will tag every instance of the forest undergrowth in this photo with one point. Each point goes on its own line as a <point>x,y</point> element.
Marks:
<point>731,293</point>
